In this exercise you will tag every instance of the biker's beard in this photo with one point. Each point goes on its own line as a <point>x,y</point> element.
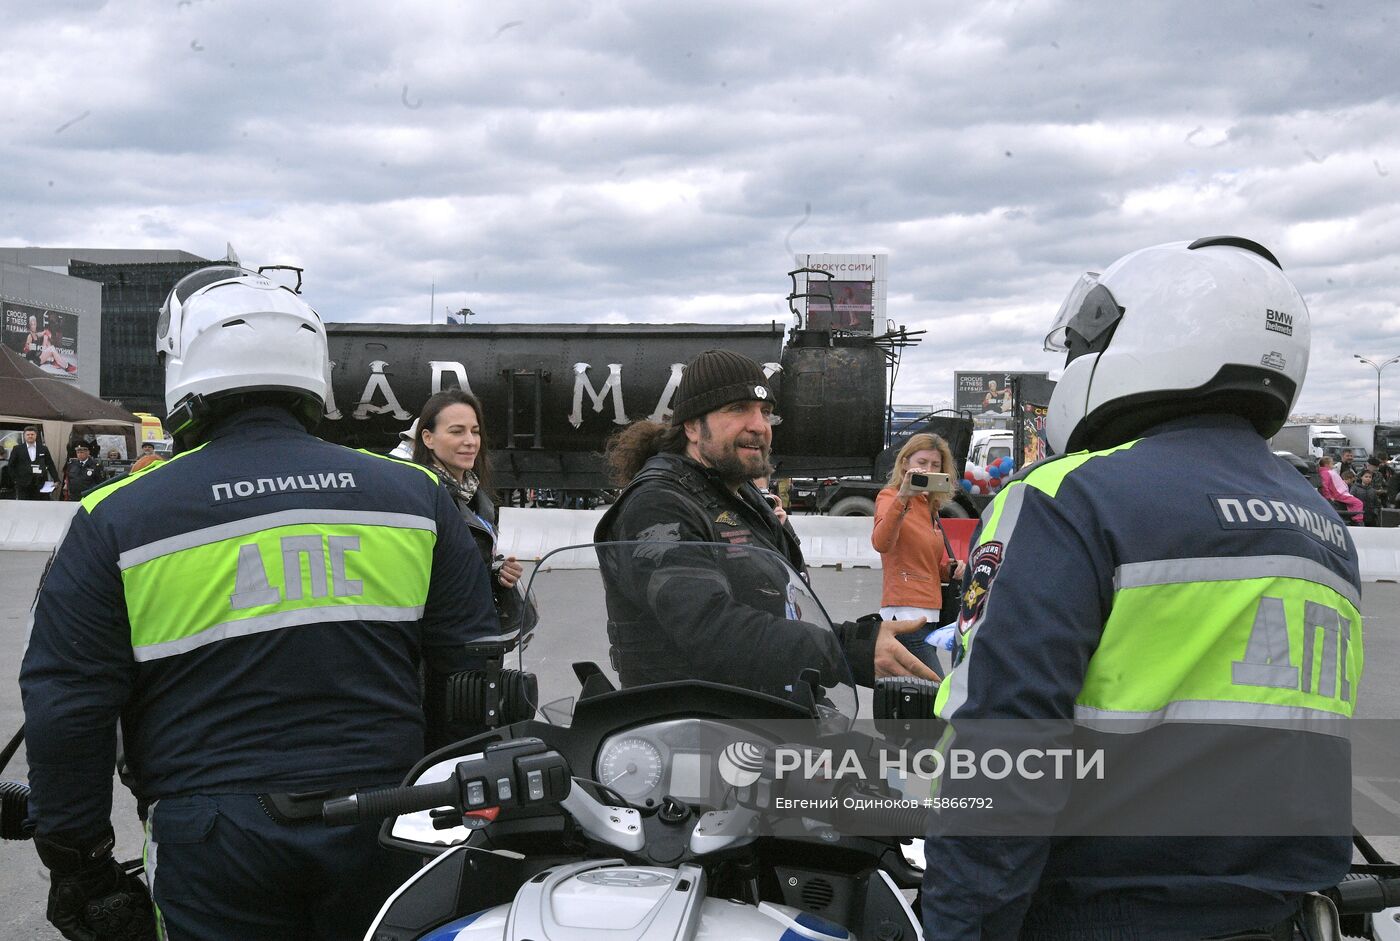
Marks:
<point>734,467</point>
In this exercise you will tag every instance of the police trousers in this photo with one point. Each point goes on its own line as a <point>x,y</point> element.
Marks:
<point>220,867</point>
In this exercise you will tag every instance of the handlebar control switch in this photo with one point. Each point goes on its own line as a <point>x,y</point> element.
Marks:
<point>545,777</point>
<point>513,774</point>
<point>508,774</point>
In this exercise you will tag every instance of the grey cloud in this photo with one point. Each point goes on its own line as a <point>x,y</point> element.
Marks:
<point>540,175</point>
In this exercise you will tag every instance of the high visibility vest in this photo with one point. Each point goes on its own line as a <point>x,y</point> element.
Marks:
<point>286,568</point>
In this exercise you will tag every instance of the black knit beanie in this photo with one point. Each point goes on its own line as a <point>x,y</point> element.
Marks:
<point>715,378</point>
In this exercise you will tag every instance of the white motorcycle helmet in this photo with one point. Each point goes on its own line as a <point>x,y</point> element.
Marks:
<point>225,330</point>
<point>1177,329</point>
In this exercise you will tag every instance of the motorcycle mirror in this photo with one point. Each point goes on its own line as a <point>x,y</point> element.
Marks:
<point>560,712</point>
<point>419,831</point>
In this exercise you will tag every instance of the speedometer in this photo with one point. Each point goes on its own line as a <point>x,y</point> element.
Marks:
<point>630,766</point>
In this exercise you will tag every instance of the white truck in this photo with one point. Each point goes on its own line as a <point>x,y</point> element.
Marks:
<point>1310,440</point>
<point>1361,438</point>
<point>989,446</point>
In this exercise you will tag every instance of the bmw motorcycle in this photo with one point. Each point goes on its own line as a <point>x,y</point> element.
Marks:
<point>687,788</point>
<point>604,807</point>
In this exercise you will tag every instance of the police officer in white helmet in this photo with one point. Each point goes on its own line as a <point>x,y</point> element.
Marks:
<point>258,613</point>
<point>1168,594</point>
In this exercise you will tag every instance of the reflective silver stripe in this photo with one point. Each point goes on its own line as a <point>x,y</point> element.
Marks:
<point>275,621</point>
<point>1012,500</point>
<point>1011,505</point>
<point>956,681</point>
<point>1178,571</point>
<point>257,524</point>
<point>1214,712</point>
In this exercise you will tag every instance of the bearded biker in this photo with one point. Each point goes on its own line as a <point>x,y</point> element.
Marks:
<point>682,611</point>
<point>1171,594</point>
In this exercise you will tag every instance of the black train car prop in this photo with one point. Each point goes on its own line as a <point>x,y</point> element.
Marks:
<point>553,393</point>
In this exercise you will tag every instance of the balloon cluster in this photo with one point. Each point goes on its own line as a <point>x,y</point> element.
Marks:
<point>984,480</point>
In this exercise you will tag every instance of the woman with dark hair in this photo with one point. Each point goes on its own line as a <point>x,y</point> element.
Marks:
<point>452,441</point>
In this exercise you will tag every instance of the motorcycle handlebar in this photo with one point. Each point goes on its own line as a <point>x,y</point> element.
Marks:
<point>14,809</point>
<point>1360,894</point>
<point>517,773</point>
<point>390,802</point>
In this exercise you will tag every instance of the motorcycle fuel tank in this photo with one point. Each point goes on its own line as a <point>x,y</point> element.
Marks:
<point>602,900</point>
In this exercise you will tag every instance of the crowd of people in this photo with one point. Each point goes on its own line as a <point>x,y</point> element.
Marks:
<point>1359,490</point>
<point>352,600</point>
<point>35,474</point>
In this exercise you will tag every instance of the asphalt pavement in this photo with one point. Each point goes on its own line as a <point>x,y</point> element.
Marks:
<point>845,593</point>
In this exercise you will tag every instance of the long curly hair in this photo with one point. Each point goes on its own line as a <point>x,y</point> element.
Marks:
<point>923,442</point>
<point>626,452</point>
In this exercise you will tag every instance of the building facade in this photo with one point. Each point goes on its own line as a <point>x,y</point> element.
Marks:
<point>54,322</point>
<point>102,304</point>
<point>132,294</point>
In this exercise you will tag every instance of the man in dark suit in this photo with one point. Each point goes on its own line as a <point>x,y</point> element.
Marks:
<point>30,466</point>
<point>82,473</point>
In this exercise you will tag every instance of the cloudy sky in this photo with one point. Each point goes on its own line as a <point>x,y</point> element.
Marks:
<point>648,161</point>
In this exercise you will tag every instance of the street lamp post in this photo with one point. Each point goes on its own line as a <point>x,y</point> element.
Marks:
<point>1379,368</point>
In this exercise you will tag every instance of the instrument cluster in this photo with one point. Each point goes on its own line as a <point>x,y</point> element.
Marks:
<point>696,761</point>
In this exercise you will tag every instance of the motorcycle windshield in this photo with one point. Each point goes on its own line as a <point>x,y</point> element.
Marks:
<point>656,612</point>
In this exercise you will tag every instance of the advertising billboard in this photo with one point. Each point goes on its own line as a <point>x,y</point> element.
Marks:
<point>851,307</point>
<point>46,338</point>
<point>987,395</point>
<point>842,293</point>
<point>1034,445</point>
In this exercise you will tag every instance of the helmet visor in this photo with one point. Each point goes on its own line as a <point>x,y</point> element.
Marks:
<point>186,287</point>
<point>1056,341</point>
<point>206,276</point>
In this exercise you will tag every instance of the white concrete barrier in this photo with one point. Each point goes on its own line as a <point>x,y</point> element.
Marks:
<point>531,534</point>
<point>36,525</point>
<point>836,540</point>
<point>1380,552</point>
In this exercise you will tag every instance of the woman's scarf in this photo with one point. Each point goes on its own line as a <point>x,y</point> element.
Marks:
<point>464,491</point>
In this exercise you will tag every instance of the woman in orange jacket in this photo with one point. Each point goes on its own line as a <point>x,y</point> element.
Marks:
<point>907,535</point>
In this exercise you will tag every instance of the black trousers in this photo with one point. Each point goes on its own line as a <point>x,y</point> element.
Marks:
<point>220,868</point>
<point>31,492</point>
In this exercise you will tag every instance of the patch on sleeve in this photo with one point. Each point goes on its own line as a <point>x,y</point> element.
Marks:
<point>727,518</point>
<point>661,532</point>
<point>667,533</point>
<point>982,566</point>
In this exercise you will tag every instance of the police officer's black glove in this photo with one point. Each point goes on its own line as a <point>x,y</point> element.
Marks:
<point>90,897</point>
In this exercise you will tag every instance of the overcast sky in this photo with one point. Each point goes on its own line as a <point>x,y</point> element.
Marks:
<point>650,161</point>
